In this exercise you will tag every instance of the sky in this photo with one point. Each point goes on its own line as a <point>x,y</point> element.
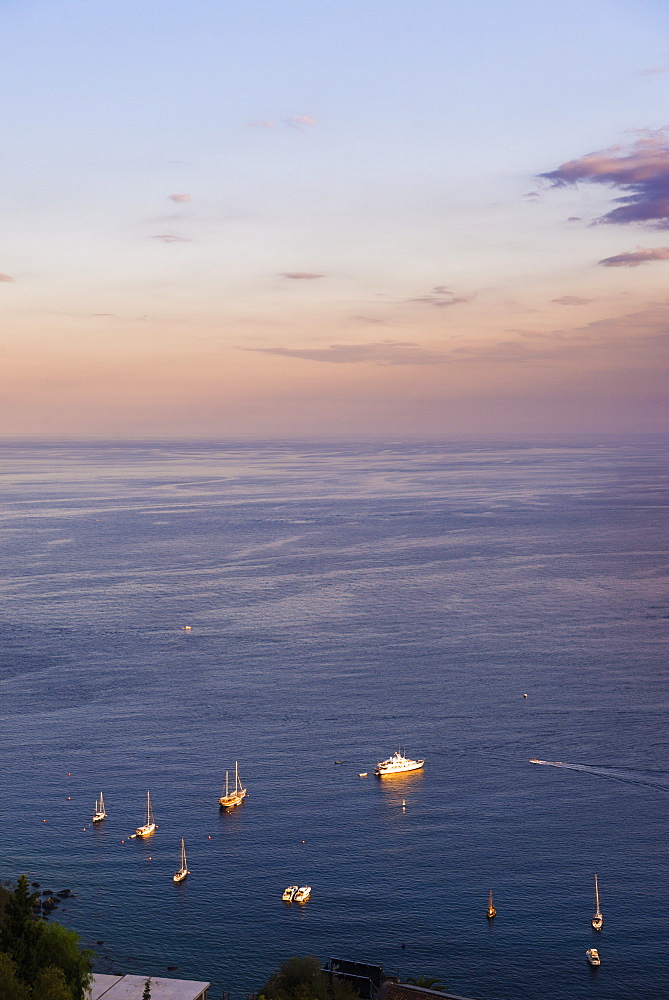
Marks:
<point>361,219</point>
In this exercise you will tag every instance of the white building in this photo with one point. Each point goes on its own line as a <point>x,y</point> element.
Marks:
<point>132,987</point>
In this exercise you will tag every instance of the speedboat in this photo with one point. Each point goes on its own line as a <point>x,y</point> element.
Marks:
<point>397,764</point>
<point>289,894</point>
<point>592,956</point>
<point>302,894</point>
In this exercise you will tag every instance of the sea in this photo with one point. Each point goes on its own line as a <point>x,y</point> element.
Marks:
<point>168,609</point>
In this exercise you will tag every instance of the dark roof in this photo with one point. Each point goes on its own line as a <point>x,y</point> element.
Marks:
<point>405,991</point>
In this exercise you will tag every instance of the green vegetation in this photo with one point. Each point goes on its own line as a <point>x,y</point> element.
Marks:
<point>426,983</point>
<point>302,979</point>
<point>38,961</point>
<point>146,995</point>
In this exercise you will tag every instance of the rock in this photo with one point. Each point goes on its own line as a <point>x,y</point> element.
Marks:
<point>50,902</point>
<point>36,885</point>
<point>99,942</point>
<point>64,893</point>
<point>171,968</point>
<point>47,892</point>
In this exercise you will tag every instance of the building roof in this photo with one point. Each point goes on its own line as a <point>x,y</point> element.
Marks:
<point>405,991</point>
<point>131,988</point>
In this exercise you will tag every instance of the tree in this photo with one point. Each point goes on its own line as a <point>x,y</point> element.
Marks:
<point>20,934</point>
<point>302,979</point>
<point>146,995</point>
<point>51,985</point>
<point>11,988</point>
<point>426,983</point>
<point>60,947</point>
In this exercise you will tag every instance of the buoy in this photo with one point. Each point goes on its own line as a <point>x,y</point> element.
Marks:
<point>150,858</point>
<point>44,821</point>
<point>208,838</point>
<point>123,841</point>
<point>524,696</point>
<point>302,841</point>
<point>69,798</point>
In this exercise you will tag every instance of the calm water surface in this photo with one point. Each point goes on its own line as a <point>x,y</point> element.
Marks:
<point>343,602</point>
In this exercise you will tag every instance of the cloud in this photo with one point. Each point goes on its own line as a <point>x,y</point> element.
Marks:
<point>571,300</point>
<point>301,121</point>
<point>301,275</point>
<point>636,257</point>
<point>641,170</point>
<point>6,277</point>
<point>379,353</point>
<point>260,124</point>
<point>441,297</point>
<point>574,218</point>
<point>181,198</point>
<point>633,338</point>
<point>170,238</point>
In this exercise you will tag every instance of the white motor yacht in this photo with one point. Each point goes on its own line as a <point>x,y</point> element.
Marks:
<point>289,894</point>
<point>592,956</point>
<point>397,764</point>
<point>302,894</point>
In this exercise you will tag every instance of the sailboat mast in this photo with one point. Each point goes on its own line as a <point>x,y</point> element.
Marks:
<point>596,897</point>
<point>236,776</point>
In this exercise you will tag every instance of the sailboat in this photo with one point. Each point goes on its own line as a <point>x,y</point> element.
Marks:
<point>183,870</point>
<point>597,919</point>
<point>491,911</point>
<point>234,797</point>
<point>100,811</point>
<point>148,828</point>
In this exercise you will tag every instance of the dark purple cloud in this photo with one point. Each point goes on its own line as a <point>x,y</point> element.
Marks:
<point>301,275</point>
<point>572,300</point>
<point>636,257</point>
<point>641,170</point>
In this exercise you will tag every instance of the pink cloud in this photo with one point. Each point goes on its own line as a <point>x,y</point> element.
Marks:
<point>181,198</point>
<point>301,121</point>
<point>641,170</point>
<point>636,257</point>
<point>170,238</point>
<point>441,297</point>
<point>260,124</point>
<point>6,277</point>
<point>572,300</point>
<point>301,275</point>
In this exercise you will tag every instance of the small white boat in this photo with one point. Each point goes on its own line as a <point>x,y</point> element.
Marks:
<point>232,798</point>
<point>397,764</point>
<point>592,956</point>
<point>302,894</point>
<point>149,827</point>
<point>289,894</point>
<point>100,811</point>
<point>491,911</point>
<point>183,869</point>
<point>597,920</point>
<point>363,774</point>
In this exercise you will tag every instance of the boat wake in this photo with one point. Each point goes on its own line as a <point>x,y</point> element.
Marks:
<point>615,774</point>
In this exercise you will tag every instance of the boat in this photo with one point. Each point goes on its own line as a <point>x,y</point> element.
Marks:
<point>592,956</point>
<point>597,919</point>
<point>234,797</point>
<point>363,774</point>
<point>147,828</point>
<point>100,811</point>
<point>302,894</point>
<point>183,870</point>
<point>397,764</point>
<point>289,894</point>
<point>491,911</point>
